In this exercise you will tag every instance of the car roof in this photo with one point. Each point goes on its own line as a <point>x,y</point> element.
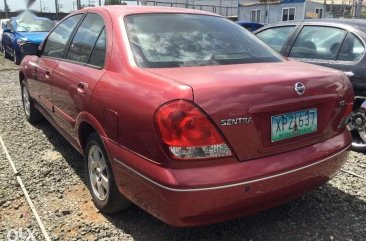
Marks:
<point>357,23</point>
<point>124,10</point>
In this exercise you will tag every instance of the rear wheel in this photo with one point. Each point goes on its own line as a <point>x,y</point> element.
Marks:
<point>31,113</point>
<point>101,182</point>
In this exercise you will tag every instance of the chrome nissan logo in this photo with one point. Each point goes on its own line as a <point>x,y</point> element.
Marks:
<point>300,88</point>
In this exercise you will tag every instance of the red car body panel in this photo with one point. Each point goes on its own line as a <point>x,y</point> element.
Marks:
<point>120,100</point>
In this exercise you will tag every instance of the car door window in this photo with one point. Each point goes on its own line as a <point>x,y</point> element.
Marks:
<point>276,37</point>
<point>318,42</point>
<point>98,55</point>
<point>56,42</point>
<point>85,38</point>
<point>352,49</point>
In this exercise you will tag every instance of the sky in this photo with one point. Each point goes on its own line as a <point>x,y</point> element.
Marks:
<point>47,5</point>
<point>65,5</point>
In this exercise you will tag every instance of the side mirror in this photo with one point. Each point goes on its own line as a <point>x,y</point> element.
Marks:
<point>6,30</point>
<point>29,49</point>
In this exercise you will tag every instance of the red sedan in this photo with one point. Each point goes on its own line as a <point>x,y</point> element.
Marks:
<point>186,114</point>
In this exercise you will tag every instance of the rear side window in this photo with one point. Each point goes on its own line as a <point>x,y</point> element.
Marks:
<point>276,37</point>
<point>57,40</point>
<point>85,38</point>
<point>98,55</point>
<point>352,49</point>
<point>318,42</point>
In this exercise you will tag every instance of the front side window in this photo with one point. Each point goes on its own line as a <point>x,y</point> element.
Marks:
<point>276,37</point>
<point>177,40</point>
<point>288,14</point>
<point>352,49</point>
<point>56,42</point>
<point>318,42</point>
<point>85,38</point>
<point>36,25</point>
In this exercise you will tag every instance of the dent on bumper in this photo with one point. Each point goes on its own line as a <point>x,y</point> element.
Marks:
<point>182,205</point>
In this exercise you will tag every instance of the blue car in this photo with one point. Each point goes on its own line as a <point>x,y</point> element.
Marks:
<point>250,25</point>
<point>20,31</point>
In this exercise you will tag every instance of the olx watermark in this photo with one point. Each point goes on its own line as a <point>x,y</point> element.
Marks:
<point>20,234</point>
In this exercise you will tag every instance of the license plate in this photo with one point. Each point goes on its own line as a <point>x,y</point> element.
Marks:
<point>293,124</point>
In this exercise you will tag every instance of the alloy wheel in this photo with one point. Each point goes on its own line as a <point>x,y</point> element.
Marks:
<point>357,127</point>
<point>98,173</point>
<point>26,101</point>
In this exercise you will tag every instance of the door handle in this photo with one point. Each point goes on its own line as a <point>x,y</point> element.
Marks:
<point>82,87</point>
<point>349,73</point>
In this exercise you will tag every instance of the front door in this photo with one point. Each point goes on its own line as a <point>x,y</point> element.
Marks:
<point>52,51</point>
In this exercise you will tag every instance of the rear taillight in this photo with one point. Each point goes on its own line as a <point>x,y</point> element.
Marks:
<point>188,133</point>
<point>346,110</point>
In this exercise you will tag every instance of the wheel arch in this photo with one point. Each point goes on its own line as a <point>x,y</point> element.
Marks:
<point>87,124</point>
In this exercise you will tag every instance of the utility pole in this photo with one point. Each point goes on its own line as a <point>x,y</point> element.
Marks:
<point>6,9</point>
<point>40,5</point>
<point>100,2</point>
<point>56,6</point>
<point>358,9</point>
<point>220,7</point>
<point>78,4</point>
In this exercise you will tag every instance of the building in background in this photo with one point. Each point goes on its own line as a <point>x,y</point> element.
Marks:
<point>266,12</point>
<point>223,7</point>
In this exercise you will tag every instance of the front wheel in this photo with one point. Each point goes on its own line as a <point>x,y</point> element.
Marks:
<point>31,113</point>
<point>17,59</point>
<point>101,182</point>
<point>5,54</point>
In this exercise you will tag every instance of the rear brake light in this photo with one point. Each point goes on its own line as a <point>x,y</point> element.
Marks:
<point>188,133</point>
<point>346,111</point>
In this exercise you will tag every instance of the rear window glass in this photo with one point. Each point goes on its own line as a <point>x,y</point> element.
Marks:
<point>177,40</point>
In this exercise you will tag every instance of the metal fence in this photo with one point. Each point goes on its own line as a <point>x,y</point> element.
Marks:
<point>222,10</point>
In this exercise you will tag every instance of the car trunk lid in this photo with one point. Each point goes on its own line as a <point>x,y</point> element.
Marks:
<point>242,99</point>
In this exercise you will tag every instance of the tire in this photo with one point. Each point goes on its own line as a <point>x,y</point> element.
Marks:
<point>5,54</point>
<point>31,113</point>
<point>17,59</point>
<point>105,194</point>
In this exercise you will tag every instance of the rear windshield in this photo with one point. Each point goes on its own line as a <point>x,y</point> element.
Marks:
<point>177,40</point>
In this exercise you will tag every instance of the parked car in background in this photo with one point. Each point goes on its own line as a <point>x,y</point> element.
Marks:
<point>250,25</point>
<point>184,113</point>
<point>3,23</point>
<point>24,30</point>
<point>335,43</point>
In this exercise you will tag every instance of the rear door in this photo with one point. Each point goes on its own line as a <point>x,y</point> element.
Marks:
<point>329,46</point>
<point>351,60</point>
<point>317,44</point>
<point>76,76</point>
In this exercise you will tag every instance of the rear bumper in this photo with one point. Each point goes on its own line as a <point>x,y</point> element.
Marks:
<point>236,189</point>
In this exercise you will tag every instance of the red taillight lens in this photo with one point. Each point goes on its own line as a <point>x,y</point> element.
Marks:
<point>346,114</point>
<point>188,133</point>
